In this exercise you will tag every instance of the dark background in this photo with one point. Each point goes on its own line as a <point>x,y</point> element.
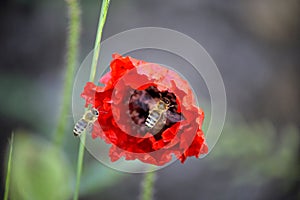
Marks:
<point>256,46</point>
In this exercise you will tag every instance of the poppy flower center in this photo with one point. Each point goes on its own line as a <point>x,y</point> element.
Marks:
<point>153,111</point>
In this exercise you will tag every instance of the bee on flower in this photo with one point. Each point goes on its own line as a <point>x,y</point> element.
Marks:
<point>150,113</point>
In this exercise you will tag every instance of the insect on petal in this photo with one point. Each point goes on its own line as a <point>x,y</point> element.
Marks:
<point>129,98</point>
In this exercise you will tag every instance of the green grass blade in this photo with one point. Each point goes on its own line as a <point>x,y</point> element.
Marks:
<point>9,165</point>
<point>102,19</point>
<point>79,167</point>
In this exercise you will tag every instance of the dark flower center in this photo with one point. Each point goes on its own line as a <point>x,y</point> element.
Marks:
<point>153,111</point>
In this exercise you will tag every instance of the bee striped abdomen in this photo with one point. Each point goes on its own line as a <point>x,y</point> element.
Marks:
<point>80,126</point>
<point>152,119</point>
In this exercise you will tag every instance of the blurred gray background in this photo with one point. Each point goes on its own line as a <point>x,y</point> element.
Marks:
<point>256,46</point>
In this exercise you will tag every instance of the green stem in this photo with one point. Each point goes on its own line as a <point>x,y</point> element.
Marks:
<point>72,55</point>
<point>79,166</point>
<point>7,181</point>
<point>102,19</point>
<point>148,185</point>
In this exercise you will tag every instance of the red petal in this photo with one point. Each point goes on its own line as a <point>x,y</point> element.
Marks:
<point>183,139</point>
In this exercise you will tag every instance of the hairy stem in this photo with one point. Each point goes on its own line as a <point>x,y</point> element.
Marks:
<point>102,19</point>
<point>72,55</point>
<point>148,185</point>
<point>7,180</point>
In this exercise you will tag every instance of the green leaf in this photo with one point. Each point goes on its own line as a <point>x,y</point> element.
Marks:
<point>40,170</point>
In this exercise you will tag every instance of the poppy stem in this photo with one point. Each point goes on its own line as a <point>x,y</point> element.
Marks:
<point>9,166</point>
<point>72,55</point>
<point>102,19</point>
<point>148,186</point>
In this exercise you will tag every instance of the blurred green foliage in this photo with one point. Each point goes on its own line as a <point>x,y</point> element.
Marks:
<point>39,170</point>
<point>42,171</point>
<point>257,153</point>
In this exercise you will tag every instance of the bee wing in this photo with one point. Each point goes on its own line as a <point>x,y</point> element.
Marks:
<point>174,117</point>
<point>89,128</point>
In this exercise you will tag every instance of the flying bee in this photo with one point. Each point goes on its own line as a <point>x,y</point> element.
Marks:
<point>159,114</point>
<point>86,122</point>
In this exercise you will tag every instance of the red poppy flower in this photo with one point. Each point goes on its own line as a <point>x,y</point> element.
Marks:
<point>131,92</point>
